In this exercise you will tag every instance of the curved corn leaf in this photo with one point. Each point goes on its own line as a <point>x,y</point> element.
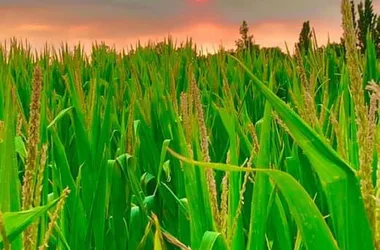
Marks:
<point>17,222</point>
<point>314,230</point>
<point>340,184</point>
<point>210,240</point>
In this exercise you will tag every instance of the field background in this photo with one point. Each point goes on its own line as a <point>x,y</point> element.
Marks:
<point>162,148</point>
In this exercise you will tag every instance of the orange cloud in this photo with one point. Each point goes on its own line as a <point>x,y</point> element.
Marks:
<point>33,27</point>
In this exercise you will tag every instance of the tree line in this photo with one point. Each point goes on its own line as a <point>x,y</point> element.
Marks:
<point>366,24</point>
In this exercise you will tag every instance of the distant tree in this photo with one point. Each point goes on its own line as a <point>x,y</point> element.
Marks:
<point>366,23</point>
<point>246,41</point>
<point>304,42</point>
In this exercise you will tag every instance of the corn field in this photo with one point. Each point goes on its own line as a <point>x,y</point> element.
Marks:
<point>161,148</point>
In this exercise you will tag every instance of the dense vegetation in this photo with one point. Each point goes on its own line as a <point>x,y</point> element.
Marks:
<point>162,149</point>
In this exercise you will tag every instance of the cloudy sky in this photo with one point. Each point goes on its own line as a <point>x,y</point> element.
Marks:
<point>209,22</point>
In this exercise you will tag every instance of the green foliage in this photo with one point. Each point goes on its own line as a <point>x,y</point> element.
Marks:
<point>336,48</point>
<point>113,121</point>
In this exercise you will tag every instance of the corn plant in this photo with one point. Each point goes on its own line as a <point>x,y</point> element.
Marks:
<point>161,148</point>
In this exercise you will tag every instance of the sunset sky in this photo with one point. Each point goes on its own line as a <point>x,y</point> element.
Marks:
<point>209,22</point>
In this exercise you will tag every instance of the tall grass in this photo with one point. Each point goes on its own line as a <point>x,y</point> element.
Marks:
<point>162,149</point>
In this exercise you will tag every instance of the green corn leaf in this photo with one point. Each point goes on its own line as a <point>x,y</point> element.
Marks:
<point>315,232</point>
<point>262,188</point>
<point>17,222</point>
<point>350,223</point>
<point>210,241</point>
